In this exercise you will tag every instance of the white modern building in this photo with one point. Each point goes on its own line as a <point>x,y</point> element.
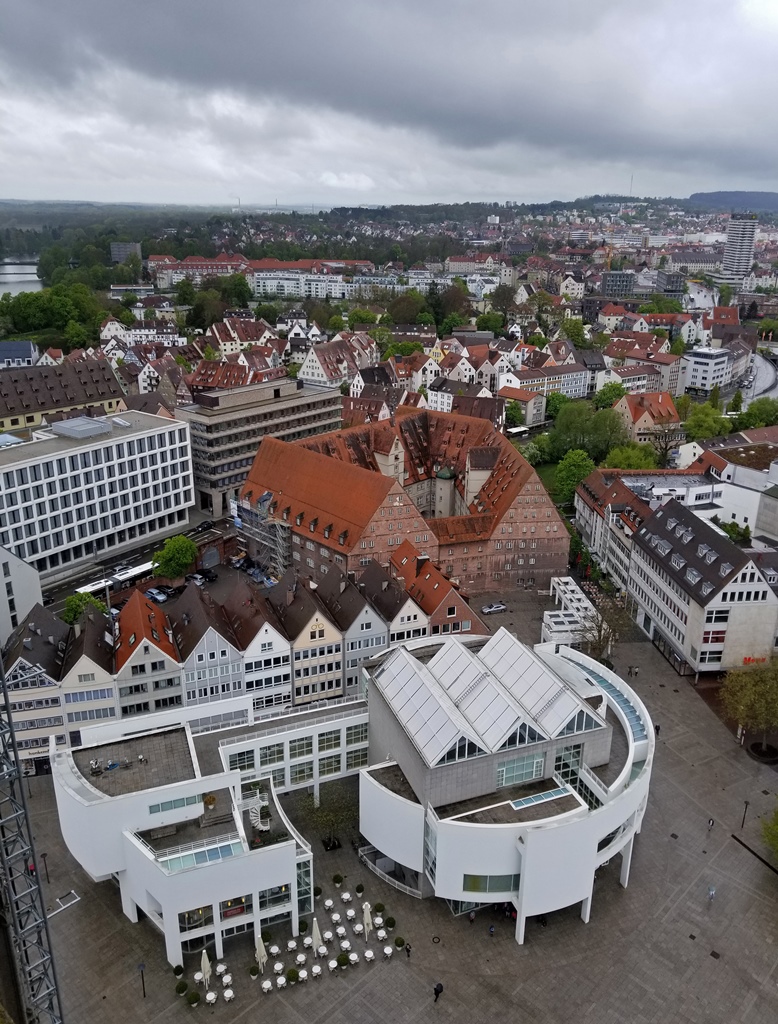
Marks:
<point>501,774</point>
<point>707,368</point>
<point>20,590</point>
<point>739,250</point>
<point>188,823</point>
<point>86,488</point>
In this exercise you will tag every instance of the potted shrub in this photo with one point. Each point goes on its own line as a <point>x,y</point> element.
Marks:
<point>342,961</point>
<point>337,880</point>
<point>303,927</point>
<point>379,908</point>
<point>178,970</point>
<point>360,889</point>
<point>193,999</point>
<point>209,800</point>
<point>317,892</point>
<point>266,937</point>
<point>292,975</point>
<point>389,922</point>
<point>254,971</point>
<point>399,942</point>
<point>181,988</point>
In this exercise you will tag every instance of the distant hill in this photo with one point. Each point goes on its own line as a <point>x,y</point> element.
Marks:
<point>738,202</point>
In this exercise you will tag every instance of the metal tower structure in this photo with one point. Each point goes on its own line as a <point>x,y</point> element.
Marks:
<point>22,911</point>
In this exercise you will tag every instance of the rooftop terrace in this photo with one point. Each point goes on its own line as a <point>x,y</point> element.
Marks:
<point>497,808</point>
<point>165,761</point>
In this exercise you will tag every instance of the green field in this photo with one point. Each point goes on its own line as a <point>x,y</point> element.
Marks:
<point>546,472</point>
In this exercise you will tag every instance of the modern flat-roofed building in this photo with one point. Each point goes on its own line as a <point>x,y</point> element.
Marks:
<point>20,590</point>
<point>502,774</point>
<point>87,488</point>
<point>739,250</point>
<point>227,427</point>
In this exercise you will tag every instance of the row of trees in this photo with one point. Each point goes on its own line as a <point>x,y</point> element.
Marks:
<point>74,311</point>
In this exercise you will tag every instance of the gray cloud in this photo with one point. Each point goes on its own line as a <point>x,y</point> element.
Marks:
<point>384,101</point>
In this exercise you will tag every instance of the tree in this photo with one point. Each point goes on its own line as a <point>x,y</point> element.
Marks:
<point>185,292</point>
<point>678,347</point>
<point>762,412</point>
<point>658,303</point>
<point>579,426</point>
<point>177,555</point>
<point>77,604</point>
<point>736,402</point>
<point>514,417</point>
<point>336,323</point>
<point>725,295</point>
<point>572,469</point>
<point>406,307</point>
<point>361,316</point>
<point>454,300</point>
<point>450,322</point>
<point>503,299</point>
<point>631,456</point>
<point>603,626</point>
<point>704,421</point>
<point>238,290</point>
<point>207,308</point>
<point>490,322</point>
<point>345,388</point>
<point>749,697</point>
<point>555,401</point>
<point>683,404</point>
<point>293,369</point>
<point>267,311</point>
<point>532,453</point>
<point>210,353</point>
<point>75,334</point>
<point>426,319</point>
<point>714,399</point>
<point>573,330</point>
<point>665,438</point>
<point>609,394</point>
<point>335,813</point>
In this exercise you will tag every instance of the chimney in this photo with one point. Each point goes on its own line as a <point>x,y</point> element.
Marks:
<point>76,629</point>
<point>420,561</point>
<point>384,584</point>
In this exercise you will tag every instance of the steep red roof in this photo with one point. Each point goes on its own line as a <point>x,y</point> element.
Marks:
<point>141,621</point>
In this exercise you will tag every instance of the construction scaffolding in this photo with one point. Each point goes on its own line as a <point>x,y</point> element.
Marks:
<point>272,537</point>
<point>22,910</point>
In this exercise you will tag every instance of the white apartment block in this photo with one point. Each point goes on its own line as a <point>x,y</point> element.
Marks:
<point>86,488</point>
<point>708,367</point>
<point>20,590</point>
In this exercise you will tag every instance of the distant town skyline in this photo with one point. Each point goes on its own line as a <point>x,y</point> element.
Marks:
<point>374,103</point>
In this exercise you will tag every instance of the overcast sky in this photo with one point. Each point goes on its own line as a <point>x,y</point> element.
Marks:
<point>372,101</point>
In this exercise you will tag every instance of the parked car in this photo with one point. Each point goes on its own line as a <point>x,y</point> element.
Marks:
<point>167,589</point>
<point>196,578</point>
<point>209,575</point>
<point>492,609</point>
<point>156,595</point>
<point>206,524</point>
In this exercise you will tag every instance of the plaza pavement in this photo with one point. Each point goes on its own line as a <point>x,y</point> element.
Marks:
<point>658,951</point>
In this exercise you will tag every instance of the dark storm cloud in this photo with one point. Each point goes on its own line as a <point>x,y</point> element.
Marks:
<point>384,97</point>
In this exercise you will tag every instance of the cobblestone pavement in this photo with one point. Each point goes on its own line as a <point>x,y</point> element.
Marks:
<point>658,951</point>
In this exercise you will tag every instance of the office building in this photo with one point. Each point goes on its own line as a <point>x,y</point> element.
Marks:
<point>89,488</point>
<point>227,427</point>
<point>739,250</point>
<point>20,590</point>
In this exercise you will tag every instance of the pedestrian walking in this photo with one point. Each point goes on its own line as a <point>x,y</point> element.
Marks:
<point>408,950</point>
<point>471,916</point>
<point>711,894</point>
<point>491,931</point>
<point>437,990</point>
<point>635,672</point>
<point>656,729</point>
<point>629,671</point>
<point>711,823</point>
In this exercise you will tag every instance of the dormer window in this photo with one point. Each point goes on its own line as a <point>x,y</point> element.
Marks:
<point>286,513</point>
<point>725,569</point>
<point>299,518</point>
<point>327,530</point>
<point>706,589</point>
<point>313,524</point>
<point>693,576</point>
<point>671,524</point>
<point>711,557</point>
<point>678,562</point>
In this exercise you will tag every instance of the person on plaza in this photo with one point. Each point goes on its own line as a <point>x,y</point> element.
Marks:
<point>635,671</point>
<point>408,950</point>
<point>491,931</point>
<point>656,729</point>
<point>437,990</point>
<point>711,823</point>
<point>471,916</point>
<point>629,670</point>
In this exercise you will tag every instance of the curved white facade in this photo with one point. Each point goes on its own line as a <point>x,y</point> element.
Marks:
<point>541,864</point>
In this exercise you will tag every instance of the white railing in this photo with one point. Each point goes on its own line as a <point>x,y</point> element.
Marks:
<point>371,866</point>
<point>202,844</point>
<point>290,726</point>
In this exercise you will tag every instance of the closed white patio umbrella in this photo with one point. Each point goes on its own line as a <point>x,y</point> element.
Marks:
<point>260,953</point>
<point>205,967</point>
<point>316,936</point>
<point>367,920</point>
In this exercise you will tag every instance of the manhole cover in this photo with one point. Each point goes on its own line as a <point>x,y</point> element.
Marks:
<point>436,939</point>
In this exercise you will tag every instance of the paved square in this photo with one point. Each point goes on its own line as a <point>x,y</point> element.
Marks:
<point>657,951</point>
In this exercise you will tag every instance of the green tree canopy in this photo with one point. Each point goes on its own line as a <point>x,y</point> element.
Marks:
<point>555,401</point>
<point>490,322</point>
<point>77,604</point>
<point>770,832</point>
<point>532,453</point>
<point>658,303</point>
<point>503,299</point>
<point>678,347</point>
<point>609,394</point>
<point>578,426</point>
<point>725,295</point>
<point>749,697</point>
<point>425,319</point>
<point>574,467</point>
<point>336,323</point>
<point>736,402</point>
<point>268,312</point>
<point>361,316</point>
<point>714,398</point>
<point>514,417</point>
<point>185,292</point>
<point>210,353</point>
<point>704,421</point>
<point>762,412</point>
<point>631,456</point>
<point>451,321</point>
<point>573,330</point>
<point>177,555</point>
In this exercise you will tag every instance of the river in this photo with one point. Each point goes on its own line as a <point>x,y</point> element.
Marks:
<point>15,278</point>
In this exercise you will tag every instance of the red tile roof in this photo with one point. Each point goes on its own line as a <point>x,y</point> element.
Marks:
<point>141,621</point>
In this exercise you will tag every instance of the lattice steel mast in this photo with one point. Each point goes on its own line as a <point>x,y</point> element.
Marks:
<point>21,901</point>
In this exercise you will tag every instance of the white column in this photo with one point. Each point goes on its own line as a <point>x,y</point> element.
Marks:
<point>217,931</point>
<point>586,909</point>
<point>129,907</point>
<point>626,862</point>
<point>520,925</point>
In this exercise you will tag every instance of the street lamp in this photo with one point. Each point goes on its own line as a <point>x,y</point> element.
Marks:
<point>745,812</point>
<point>45,865</point>
<point>142,968</point>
